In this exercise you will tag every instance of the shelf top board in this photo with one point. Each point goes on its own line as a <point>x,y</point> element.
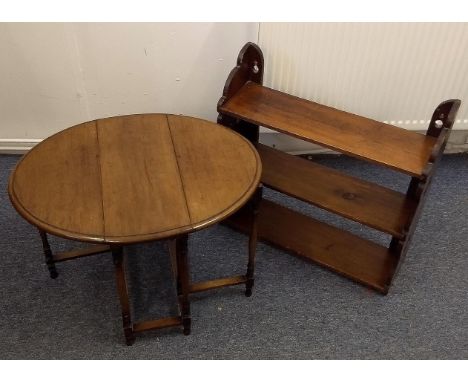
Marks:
<point>391,146</point>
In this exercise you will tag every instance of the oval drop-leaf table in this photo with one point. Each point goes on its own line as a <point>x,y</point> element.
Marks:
<point>137,178</point>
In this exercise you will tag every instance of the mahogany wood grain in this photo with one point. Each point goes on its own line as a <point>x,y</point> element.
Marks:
<point>48,255</point>
<point>142,193</point>
<point>440,127</point>
<point>374,141</point>
<point>171,246</point>
<point>183,281</point>
<point>365,202</point>
<point>157,324</point>
<point>349,255</point>
<point>249,67</point>
<point>206,153</point>
<point>217,283</point>
<point>253,208</point>
<point>122,290</point>
<point>57,186</point>
<point>135,178</point>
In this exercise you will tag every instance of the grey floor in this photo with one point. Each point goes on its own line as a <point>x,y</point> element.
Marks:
<point>298,310</point>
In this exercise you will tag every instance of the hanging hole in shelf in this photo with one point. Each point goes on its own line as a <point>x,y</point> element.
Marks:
<point>255,68</point>
<point>438,124</point>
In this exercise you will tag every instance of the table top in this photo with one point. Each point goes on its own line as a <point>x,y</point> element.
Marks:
<point>134,178</point>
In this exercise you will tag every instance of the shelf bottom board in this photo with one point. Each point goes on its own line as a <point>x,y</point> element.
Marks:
<point>354,257</point>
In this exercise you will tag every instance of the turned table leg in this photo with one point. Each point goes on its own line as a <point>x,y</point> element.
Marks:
<point>117,255</point>
<point>48,255</point>
<point>183,280</point>
<point>255,204</point>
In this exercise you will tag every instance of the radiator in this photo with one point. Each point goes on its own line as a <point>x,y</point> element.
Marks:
<point>392,72</point>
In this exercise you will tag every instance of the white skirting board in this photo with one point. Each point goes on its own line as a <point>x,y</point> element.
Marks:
<point>458,143</point>
<point>17,146</point>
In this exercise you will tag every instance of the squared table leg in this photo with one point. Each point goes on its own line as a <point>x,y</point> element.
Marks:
<point>183,280</point>
<point>255,205</point>
<point>48,255</point>
<point>119,264</point>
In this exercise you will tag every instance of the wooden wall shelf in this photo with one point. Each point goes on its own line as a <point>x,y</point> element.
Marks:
<point>246,104</point>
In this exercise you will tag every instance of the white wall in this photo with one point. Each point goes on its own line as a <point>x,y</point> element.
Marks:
<point>55,75</point>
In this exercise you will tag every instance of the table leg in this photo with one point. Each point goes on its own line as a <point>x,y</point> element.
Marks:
<point>255,204</point>
<point>119,264</point>
<point>48,255</point>
<point>173,256</point>
<point>183,280</point>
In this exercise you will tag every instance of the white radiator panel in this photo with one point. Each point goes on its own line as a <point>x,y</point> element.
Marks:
<point>392,72</point>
